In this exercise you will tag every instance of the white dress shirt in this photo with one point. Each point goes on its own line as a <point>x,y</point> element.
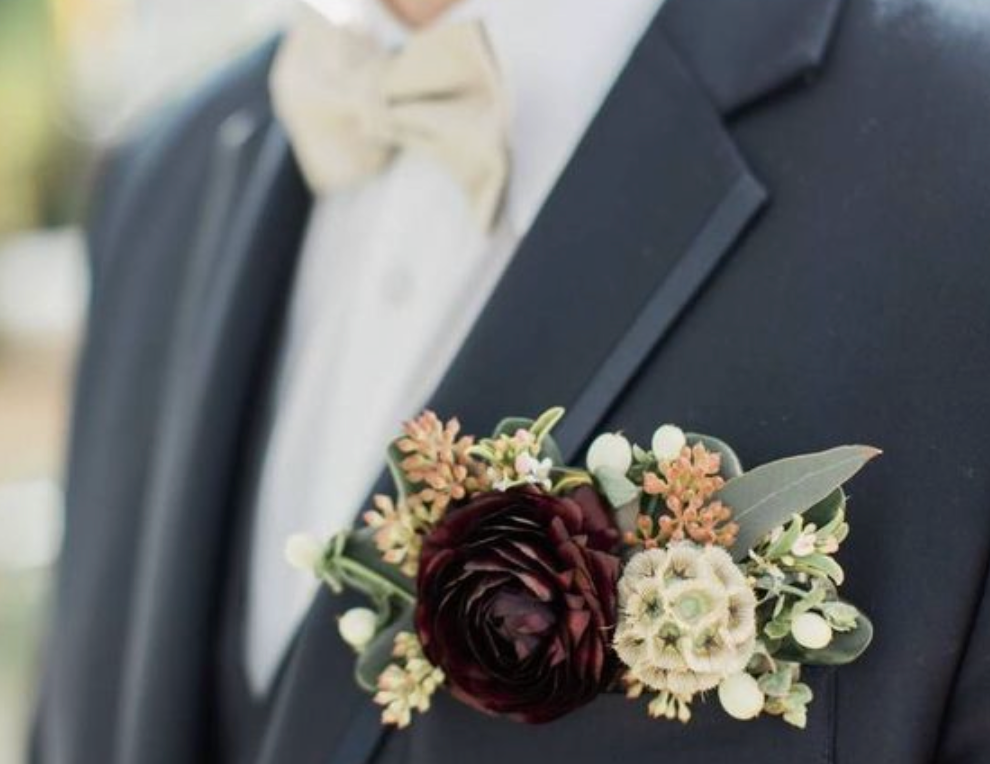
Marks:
<point>393,274</point>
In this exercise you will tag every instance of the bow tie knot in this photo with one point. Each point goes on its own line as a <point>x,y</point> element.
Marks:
<point>349,105</point>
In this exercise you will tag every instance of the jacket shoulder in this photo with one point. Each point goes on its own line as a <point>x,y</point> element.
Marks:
<point>175,140</point>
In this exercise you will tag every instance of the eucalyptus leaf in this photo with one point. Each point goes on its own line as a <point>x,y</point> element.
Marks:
<point>730,465</point>
<point>845,647</point>
<point>618,489</point>
<point>378,653</point>
<point>511,425</point>
<point>767,496</point>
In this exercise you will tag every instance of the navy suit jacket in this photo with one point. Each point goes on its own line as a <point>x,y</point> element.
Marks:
<point>777,229</point>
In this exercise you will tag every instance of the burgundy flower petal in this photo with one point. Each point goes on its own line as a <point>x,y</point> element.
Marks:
<point>516,601</point>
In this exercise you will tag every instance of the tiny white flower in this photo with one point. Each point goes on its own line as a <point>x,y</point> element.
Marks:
<point>610,450</point>
<point>667,442</point>
<point>358,626</point>
<point>741,696</point>
<point>804,545</point>
<point>811,630</point>
<point>303,552</point>
<point>532,470</point>
<point>829,545</point>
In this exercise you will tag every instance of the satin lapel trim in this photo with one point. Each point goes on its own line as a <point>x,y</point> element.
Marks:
<point>652,201</point>
<point>236,284</point>
<point>651,204</point>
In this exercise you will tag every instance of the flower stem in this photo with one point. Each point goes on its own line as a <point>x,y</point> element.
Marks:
<point>372,582</point>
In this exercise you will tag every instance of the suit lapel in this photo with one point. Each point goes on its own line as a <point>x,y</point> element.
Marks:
<point>652,200</point>
<point>236,283</point>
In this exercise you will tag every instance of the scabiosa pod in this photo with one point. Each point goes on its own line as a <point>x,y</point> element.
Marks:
<point>687,619</point>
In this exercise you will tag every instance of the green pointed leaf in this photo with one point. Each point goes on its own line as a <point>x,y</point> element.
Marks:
<point>783,545</point>
<point>546,421</point>
<point>617,488</point>
<point>820,564</point>
<point>378,653</point>
<point>768,496</point>
<point>845,647</point>
<point>827,510</point>
<point>731,466</point>
<point>394,457</point>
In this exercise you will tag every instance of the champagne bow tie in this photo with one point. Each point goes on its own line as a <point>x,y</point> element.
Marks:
<point>349,106</point>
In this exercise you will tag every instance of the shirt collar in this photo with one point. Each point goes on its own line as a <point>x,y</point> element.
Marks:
<point>559,58</point>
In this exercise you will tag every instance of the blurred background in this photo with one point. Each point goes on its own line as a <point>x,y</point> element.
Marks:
<point>75,75</point>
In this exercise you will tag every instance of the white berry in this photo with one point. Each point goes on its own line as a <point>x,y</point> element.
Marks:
<point>610,450</point>
<point>358,626</point>
<point>303,552</point>
<point>811,630</point>
<point>668,441</point>
<point>741,696</point>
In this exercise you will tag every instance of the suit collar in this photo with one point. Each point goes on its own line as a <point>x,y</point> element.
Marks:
<point>741,51</point>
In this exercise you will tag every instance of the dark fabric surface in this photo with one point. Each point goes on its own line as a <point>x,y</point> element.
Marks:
<point>842,296</point>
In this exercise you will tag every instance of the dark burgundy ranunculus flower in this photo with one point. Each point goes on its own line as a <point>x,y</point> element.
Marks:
<point>517,601</point>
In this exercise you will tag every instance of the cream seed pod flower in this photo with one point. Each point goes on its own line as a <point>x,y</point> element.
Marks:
<point>612,451</point>
<point>687,619</point>
<point>303,552</point>
<point>812,631</point>
<point>358,626</point>
<point>667,442</point>
<point>741,696</point>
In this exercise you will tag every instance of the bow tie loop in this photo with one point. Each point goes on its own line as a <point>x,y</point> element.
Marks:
<point>349,105</point>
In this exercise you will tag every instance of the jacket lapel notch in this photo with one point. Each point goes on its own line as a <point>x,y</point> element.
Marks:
<point>745,50</point>
<point>651,203</point>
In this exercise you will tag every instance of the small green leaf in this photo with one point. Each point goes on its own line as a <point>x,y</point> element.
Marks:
<point>841,616</point>
<point>641,456</point>
<point>767,496</point>
<point>777,683</point>
<point>810,601</point>
<point>820,564</point>
<point>618,489</point>
<point>550,450</point>
<point>394,458</point>
<point>845,647</point>
<point>730,465</point>
<point>546,422</point>
<point>378,653</point>
<point>783,545</point>
<point>827,511</point>
<point>778,628</point>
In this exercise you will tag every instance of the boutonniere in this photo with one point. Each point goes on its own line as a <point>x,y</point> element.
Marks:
<point>525,586</point>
